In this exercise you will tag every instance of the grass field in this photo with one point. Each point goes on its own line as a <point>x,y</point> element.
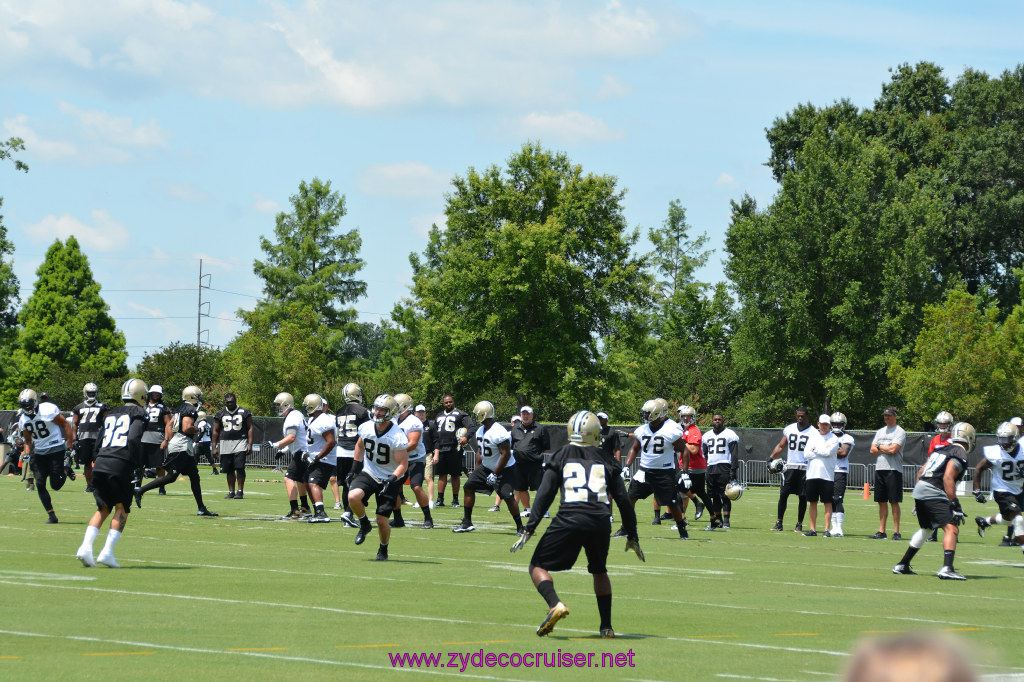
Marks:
<point>246,595</point>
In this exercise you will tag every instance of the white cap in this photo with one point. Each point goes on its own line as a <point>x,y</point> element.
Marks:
<point>526,408</point>
<point>602,415</point>
<point>420,408</point>
<point>824,419</point>
<point>1016,421</point>
<point>516,418</point>
<point>156,388</point>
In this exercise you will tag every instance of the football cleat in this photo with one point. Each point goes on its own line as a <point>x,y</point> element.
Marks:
<point>239,495</point>
<point>810,534</point>
<point>107,559</point>
<point>361,535</point>
<point>293,515</point>
<point>555,614</point>
<point>205,512</point>
<point>85,556</point>
<point>656,522</point>
<point>947,573</point>
<point>428,525</point>
<point>138,497</point>
<point>777,526</point>
<point>464,528</point>
<point>607,633</point>
<point>495,508</point>
<point>320,517</point>
<point>982,524</point>
<point>878,536</point>
<point>620,533</point>
<point>230,495</point>
<point>902,569</point>
<point>382,554</point>
<point>897,536</point>
<point>698,511</point>
<point>455,505</point>
<point>349,520</point>
<point>798,528</point>
<point>396,524</point>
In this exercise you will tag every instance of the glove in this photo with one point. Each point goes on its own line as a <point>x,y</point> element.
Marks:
<point>626,474</point>
<point>684,481</point>
<point>633,543</point>
<point>521,541</point>
<point>980,497</point>
<point>311,459</point>
<point>492,480</point>
<point>387,484</point>
<point>357,468</point>
<point>268,446</point>
<point>958,513</point>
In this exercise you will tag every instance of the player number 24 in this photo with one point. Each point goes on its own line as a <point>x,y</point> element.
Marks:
<point>577,483</point>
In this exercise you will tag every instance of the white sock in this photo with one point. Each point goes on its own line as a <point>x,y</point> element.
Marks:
<point>112,537</point>
<point>997,520</point>
<point>917,539</point>
<point>90,537</point>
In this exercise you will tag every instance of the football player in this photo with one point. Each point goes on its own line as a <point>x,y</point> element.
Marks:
<point>380,462</point>
<point>846,443</point>
<point>293,445</point>
<point>321,460</point>
<point>794,440</point>
<point>495,469</point>
<point>417,452</point>
<point>935,500</point>
<point>657,441</point>
<point>153,442</point>
<point>1006,460</point>
<point>118,457</point>
<point>181,451</point>
<point>86,418</point>
<point>232,442</point>
<point>693,464</point>
<point>350,417</point>
<point>448,448</point>
<point>47,437</point>
<point>720,448</point>
<point>202,438</point>
<point>586,479</point>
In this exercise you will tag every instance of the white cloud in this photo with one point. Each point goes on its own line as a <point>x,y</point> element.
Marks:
<point>404,179</point>
<point>570,127</point>
<point>105,234</point>
<point>612,88</point>
<point>421,224</point>
<point>186,192</point>
<point>215,262</point>
<point>116,130</point>
<point>48,150</point>
<point>264,205</point>
<point>725,180</point>
<point>152,312</point>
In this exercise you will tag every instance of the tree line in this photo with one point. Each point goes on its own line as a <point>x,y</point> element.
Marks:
<point>886,269</point>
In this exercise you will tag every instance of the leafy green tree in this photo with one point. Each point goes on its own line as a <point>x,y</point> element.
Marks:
<point>8,280</point>
<point>532,273</point>
<point>65,321</point>
<point>183,364</point>
<point>965,361</point>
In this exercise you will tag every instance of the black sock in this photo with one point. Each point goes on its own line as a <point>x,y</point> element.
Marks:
<point>908,555</point>
<point>305,501</point>
<point>294,504</point>
<point>467,515</point>
<point>547,590</point>
<point>604,609</point>
<point>947,558</point>
<point>398,515</point>
<point>657,514</point>
<point>364,524</point>
<point>318,507</point>
<point>426,514</point>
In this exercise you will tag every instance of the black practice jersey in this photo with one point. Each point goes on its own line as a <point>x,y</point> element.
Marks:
<point>588,478</point>
<point>121,434</point>
<point>184,410</point>
<point>155,418</point>
<point>935,465</point>
<point>89,419</point>
<point>234,425</point>
<point>447,423</point>
<point>348,418</point>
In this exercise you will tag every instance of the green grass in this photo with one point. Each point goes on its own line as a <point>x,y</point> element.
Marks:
<point>248,596</point>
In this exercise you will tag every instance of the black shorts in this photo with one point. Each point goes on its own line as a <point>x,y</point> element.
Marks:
<point>839,487</point>
<point>718,478</point>
<point>47,465</point>
<point>698,482</point>
<point>369,485</point>
<point>661,482</point>
<point>1009,504</point>
<point>449,463</point>
<point>297,468</point>
<point>152,456</point>
<point>561,543</point>
<point>888,486</point>
<point>415,473</point>
<point>112,484</point>
<point>203,451</point>
<point>477,481</point>
<point>528,474</point>
<point>818,490</point>
<point>233,463</point>
<point>85,451</point>
<point>181,462</point>
<point>793,482</point>
<point>320,474</point>
<point>934,513</point>
<point>344,468</point>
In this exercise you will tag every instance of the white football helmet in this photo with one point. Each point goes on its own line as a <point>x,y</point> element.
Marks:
<point>404,401</point>
<point>201,416</point>
<point>89,392</point>
<point>192,395</point>
<point>943,422</point>
<point>352,393</point>
<point>963,434</point>
<point>734,490</point>
<point>463,432</point>
<point>687,415</point>
<point>483,410</point>
<point>134,389</point>
<point>312,404</point>
<point>584,429</point>
<point>28,401</point>
<point>1006,436</point>
<point>283,401</point>
<point>653,410</point>
<point>384,409</point>
<point>838,420</point>
<point>777,466</point>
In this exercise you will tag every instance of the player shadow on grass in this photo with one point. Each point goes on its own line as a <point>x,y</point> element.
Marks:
<point>393,560</point>
<point>159,568</point>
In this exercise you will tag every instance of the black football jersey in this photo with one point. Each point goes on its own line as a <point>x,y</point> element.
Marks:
<point>89,419</point>
<point>155,417</point>
<point>234,425</point>
<point>935,465</point>
<point>348,418</point>
<point>447,424</point>
<point>120,434</point>
<point>587,477</point>
<point>184,410</point>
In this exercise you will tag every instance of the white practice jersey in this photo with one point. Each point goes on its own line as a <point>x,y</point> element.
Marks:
<point>409,425</point>
<point>796,441</point>
<point>379,459</point>
<point>716,446</point>
<point>316,437</point>
<point>843,463</point>
<point>1007,469</point>
<point>488,443</point>
<point>46,435</point>
<point>656,451</point>
<point>203,431</point>
<point>820,454</point>
<point>294,422</point>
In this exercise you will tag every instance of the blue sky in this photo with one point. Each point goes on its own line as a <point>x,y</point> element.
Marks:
<point>162,132</point>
